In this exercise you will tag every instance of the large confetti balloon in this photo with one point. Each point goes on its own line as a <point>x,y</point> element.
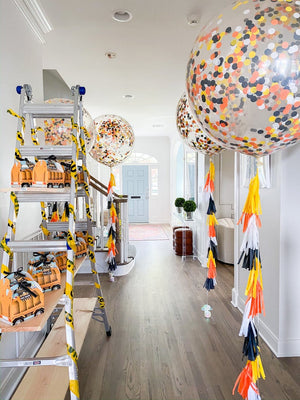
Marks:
<point>191,132</point>
<point>243,76</point>
<point>114,141</point>
<point>58,131</point>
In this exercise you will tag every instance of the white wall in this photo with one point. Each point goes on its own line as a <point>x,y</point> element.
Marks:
<point>21,62</point>
<point>289,274</point>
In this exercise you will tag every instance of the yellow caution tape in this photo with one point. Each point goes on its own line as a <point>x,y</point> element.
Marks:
<point>101,302</point>
<point>86,189</point>
<point>33,137</point>
<point>69,319</point>
<point>88,212</point>
<point>14,114</point>
<point>90,240</point>
<point>69,291</point>
<point>45,231</point>
<point>86,171</point>
<point>82,145</point>
<point>74,124</point>
<point>70,266</point>
<point>72,353</point>
<point>72,211</point>
<point>4,268</point>
<point>71,242</point>
<point>85,131</point>
<point>92,256</point>
<point>74,387</point>
<point>4,246</point>
<point>17,153</point>
<point>20,138</point>
<point>14,199</point>
<point>74,139</point>
<point>11,225</point>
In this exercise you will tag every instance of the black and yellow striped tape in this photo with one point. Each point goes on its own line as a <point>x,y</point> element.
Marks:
<point>14,114</point>
<point>14,199</point>
<point>11,225</point>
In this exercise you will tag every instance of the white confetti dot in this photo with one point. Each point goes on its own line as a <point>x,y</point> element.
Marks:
<point>246,11</point>
<point>261,107</point>
<point>275,126</point>
<point>238,28</point>
<point>219,21</point>
<point>298,32</point>
<point>293,49</point>
<point>297,2</point>
<point>290,99</point>
<point>246,42</point>
<point>274,55</point>
<point>296,15</point>
<point>271,31</point>
<point>293,88</point>
<point>271,46</point>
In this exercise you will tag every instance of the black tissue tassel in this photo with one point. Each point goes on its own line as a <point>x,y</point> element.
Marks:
<point>209,284</point>
<point>211,206</point>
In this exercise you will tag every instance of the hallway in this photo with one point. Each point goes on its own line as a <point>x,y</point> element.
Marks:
<point>162,347</point>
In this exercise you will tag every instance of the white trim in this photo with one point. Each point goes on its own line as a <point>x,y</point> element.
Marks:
<point>35,17</point>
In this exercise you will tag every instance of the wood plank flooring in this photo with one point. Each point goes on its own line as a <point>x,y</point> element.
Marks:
<point>162,347</point>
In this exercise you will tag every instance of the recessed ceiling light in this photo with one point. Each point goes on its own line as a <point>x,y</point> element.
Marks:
<point>122,15</point>
<point>193,20</point>
<point>128,96</point>
<point>157,126</point>
<point>111,54</point>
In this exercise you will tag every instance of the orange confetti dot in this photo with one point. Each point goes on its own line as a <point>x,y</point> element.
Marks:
<point>285,45</point>
<point>274,22</point>
<point>284,94</point>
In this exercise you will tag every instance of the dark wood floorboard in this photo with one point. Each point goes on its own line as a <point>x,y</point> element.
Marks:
<point>162,347</point>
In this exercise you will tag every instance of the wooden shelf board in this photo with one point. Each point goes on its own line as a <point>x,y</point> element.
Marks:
<point>51,299</point>
<point>50,382</point>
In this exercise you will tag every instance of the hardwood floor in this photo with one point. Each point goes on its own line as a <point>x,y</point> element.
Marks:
<point>162,347</point>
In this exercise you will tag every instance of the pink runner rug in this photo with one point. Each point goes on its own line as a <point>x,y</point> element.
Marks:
<point>148,232</point>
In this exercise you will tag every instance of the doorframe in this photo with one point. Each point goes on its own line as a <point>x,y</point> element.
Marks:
<point>148,188</point>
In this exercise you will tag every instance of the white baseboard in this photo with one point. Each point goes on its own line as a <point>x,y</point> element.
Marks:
<point>234,297</point>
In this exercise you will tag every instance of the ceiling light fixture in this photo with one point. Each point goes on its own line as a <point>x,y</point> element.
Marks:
<point>157,126</point>
<point>35,18</point>
<point>193,20</point>
<point>128,96</point>
<point>122,15</point>
<point>111,54</point>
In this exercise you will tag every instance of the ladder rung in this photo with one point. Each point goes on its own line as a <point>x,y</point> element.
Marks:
<point>49,110</point>
<point>64,226</point>
<point>37,245</point>
<point>37,195</point>
<point>63,152</point>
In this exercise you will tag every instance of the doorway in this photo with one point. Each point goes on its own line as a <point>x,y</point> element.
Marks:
<point>135,180</point>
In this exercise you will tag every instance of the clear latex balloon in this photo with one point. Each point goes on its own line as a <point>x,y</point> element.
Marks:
<point>191,131</point>
<point>58,131</point>
<point>243,78</point>
<point>114,141</point>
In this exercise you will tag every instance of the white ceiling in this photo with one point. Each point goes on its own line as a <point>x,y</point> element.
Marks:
<point>152,53</point>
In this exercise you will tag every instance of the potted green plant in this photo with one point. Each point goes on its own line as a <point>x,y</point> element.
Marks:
<point>189,207</point>
<point>179,202</point>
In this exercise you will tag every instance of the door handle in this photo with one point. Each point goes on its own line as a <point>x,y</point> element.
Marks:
<point>135,197</point>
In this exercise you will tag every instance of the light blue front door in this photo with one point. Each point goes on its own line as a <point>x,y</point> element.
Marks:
<point>136,186</point>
